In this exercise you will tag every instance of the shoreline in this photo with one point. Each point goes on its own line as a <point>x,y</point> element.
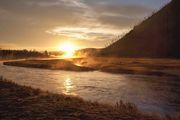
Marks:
<point>55,64</point>
<point>139,66</point>
<point>21,102</point>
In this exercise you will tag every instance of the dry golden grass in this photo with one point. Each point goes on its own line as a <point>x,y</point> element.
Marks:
<point>144,66</point>
<point>59,64</point>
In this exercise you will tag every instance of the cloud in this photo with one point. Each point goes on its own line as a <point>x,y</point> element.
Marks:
<point>98,33</point>
<point>49,21</point>
<point>118,15</point>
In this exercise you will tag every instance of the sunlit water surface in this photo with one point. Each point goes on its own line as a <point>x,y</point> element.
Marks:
<point>149,93</point>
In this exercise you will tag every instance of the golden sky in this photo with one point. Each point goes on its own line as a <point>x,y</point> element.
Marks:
<point>45,24</point>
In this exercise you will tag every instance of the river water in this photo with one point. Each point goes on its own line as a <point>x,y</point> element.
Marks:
<point>149,93</point>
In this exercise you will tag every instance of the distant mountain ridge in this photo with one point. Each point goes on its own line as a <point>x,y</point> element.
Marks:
<point>156,37</point>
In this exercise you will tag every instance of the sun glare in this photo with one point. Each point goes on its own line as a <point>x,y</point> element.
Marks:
<point>68,49</point>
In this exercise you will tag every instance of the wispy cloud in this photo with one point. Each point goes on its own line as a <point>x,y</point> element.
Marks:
<point>87,33</point>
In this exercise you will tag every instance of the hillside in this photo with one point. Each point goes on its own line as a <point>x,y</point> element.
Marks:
<point>156,37</point>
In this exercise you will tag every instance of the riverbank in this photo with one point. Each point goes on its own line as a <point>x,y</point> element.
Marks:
<point>20,102</point>
<point>140,66</point>
<point>52,64</point>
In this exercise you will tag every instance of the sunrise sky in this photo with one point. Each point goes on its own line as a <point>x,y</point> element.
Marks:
<point>46,24</point>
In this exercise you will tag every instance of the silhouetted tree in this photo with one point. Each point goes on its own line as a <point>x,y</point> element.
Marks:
<point>16,54</point>
<point>46,53</point>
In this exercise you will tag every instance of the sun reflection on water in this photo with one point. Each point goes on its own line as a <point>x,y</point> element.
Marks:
<point>69,87</point>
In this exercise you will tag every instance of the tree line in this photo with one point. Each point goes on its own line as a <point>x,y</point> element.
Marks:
<point>17,54</point>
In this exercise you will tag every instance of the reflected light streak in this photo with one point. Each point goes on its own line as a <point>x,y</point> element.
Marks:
<point>68,87</point>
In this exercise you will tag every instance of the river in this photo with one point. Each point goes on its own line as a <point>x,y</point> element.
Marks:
<point>149,93</point>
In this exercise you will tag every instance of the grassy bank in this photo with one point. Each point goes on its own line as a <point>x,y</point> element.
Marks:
<point>20,102</point>
<point>49,64</point>
<point>142,66</point>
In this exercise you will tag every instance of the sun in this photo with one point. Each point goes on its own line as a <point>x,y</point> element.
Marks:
<point>68,49</point>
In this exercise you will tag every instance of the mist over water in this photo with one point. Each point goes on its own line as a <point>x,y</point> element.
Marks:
<point>149,93</point>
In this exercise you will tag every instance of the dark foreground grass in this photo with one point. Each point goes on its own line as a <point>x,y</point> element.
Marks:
<point>20,102</point>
